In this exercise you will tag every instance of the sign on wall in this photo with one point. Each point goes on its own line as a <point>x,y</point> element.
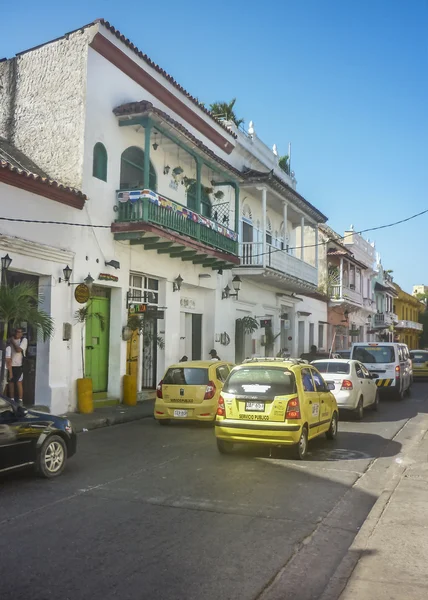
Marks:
<point>81,293</point>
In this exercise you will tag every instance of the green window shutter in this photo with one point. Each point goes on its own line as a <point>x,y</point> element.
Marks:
<point>99,164</point>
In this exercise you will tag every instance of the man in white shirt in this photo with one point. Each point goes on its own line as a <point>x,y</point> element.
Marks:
<point>15,352</point>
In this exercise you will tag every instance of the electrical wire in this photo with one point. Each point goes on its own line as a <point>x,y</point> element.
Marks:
<point>270,251</point>
<point>341,238</point>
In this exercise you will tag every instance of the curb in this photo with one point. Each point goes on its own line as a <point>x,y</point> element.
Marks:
<point>343,574</point>
<point>111,420</point>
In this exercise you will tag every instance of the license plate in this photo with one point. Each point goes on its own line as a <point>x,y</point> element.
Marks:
<point>180,413</point>
<point>257,406</point>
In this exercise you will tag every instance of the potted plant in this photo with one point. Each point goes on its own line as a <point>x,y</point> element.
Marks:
<point>84,384</point>
<point>177,171</point>
<point>219,195</point>
<point>208,190</point>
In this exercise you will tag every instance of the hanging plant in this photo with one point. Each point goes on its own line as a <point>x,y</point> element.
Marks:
<point>219,195</point>
<point>166,169</point>
<point>177,171</point>
<point>188,181</point>
<point>208,190</point>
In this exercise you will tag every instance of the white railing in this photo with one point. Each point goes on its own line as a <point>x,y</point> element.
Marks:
<point>409,325</point>
<point>339,292</point>
<point>252,256</point>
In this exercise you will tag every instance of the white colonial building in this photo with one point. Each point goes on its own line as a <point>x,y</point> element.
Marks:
<point>167,209</point>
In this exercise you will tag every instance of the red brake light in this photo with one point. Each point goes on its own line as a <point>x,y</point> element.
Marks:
<point>397,370</point>
<point>159,390</point>
<point>221,409</point>
<point>293,409</point>
<point>210,391</point>
<point>347,385</point>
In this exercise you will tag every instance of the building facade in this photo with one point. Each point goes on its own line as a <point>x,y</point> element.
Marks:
<point>384,320</point>
<point>407,308</point>
<point>186,225</point>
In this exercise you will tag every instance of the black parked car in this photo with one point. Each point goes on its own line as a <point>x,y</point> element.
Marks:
<point>31,438</point>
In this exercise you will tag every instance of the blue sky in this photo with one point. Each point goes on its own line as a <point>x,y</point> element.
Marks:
<point>345,82</point>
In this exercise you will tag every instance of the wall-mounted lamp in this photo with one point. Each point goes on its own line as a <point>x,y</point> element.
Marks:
<point>176,284</point>
<point>89,281</point>
<point>166,169</point>
<point>236,282</point>
<point>155,146</point>
<point>113,263</point>
<point>5,264</point>
<point>67,274</point>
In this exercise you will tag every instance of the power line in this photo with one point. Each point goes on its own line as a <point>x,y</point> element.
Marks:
<point>271,251</point>
<point>341,238</point>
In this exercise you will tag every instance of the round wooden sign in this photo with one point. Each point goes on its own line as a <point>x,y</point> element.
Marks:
<point>81,293</point>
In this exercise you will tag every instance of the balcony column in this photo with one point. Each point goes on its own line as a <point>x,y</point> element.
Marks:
<point>264,247</point>
<point>302,238</point>
<point>285,217</point>
<point>341,278</point>
<point>147,145</point>
<point>316,245</point>
<point>236,187</point>
<point>198,184</point>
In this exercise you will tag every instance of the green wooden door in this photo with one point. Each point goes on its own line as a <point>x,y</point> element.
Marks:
<point>97,343</point>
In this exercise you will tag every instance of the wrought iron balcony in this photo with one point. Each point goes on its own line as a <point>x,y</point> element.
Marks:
<point>146,207</point>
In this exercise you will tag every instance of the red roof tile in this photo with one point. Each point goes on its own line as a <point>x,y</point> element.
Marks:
<point>162,72</point>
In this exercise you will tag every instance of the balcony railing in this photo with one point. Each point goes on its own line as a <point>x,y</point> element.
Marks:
<point>279,260</point>
<point>342,293</point>
<point>385,319</point>
<point>148,207</point>
<point>409,325</point>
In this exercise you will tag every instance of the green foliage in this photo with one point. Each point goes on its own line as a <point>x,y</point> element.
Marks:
<point>225,110</point>
<point>140,323</point>
<point>249,324</point>
<point>284,163</point>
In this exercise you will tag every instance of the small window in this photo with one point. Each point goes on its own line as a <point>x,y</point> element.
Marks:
<point>186,377</point>
<point>339,368</point>
<point>99,163</point>
<point>308,384</point>
<point>366,373</point>
<point>359,371</point>
<point>319,382</point>
<point>222,373</point>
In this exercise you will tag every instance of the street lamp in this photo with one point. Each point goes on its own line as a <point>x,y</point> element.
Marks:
<point>176,284</point>
<point>67,274</point>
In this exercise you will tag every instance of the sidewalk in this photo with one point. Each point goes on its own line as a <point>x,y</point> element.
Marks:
<point>388,559</point>
<point>111,415</point>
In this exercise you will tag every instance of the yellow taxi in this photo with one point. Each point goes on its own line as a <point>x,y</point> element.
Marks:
<point>419,363</point>
<point>275,402</point>
<point>190,391</point>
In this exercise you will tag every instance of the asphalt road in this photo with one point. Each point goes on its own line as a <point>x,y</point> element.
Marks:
<point>146,512</point>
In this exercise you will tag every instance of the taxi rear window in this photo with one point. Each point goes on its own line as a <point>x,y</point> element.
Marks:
<point>340,368</point>
<point>260,381</point>
<point>374,354</point>
<point>186,376</point>
<point>419,357</point>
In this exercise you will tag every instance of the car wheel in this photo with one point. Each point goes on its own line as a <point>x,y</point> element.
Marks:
<point>164,421</point>
<point>359,412</point>
<point>301,448</point>
<point>52,457</point>
<point>224,447</point>
<point>332,431</point>
<point>375,404</point>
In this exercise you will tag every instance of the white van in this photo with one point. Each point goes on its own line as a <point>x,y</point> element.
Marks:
<point>390,361</point>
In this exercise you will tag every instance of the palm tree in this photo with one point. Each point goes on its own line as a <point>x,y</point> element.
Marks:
<point>20,303</point>
<point>225,110</point>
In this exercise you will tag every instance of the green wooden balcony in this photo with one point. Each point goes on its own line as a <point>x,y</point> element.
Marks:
<point>176,218</point>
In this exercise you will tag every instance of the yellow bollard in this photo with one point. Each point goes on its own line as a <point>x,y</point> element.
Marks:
<point>85,402</point>
<point>130,390</point>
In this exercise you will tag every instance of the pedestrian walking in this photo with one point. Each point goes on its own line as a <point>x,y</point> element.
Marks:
<point>214,355</point>
<point>15,353</point>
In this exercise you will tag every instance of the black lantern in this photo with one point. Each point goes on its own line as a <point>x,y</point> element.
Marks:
<point>5,262</point>
<point>89,281</point>
<point>176,284</point>
<point>67,273</point>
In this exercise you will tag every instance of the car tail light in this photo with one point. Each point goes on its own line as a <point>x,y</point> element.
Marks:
<point>221,409</point>
<point>397,371</point>
<point>293,409</point>
<point>347,385</point>
<point>210,391</point>
<point>159,390</point>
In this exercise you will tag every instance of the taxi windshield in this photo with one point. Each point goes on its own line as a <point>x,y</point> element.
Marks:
<point>261,381</point>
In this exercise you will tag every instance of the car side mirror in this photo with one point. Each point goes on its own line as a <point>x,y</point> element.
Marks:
<point>374,376</point>
<point>330,386</point>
